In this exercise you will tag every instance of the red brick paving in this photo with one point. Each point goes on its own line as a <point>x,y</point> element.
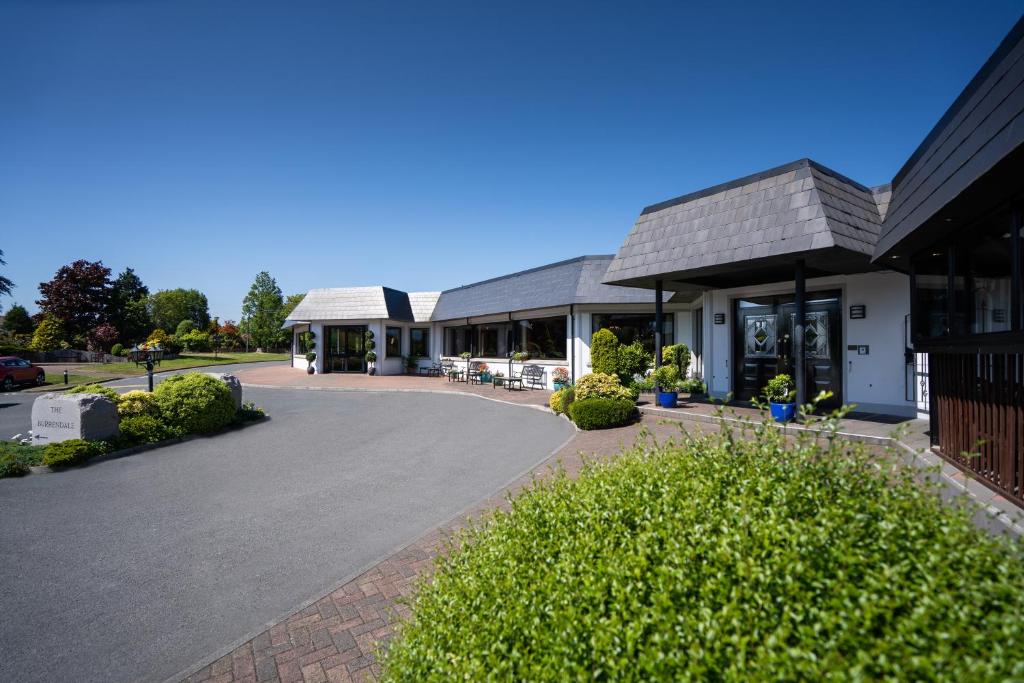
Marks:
<point>336,638</point>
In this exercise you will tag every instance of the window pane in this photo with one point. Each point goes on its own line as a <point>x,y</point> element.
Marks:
<point>931,284</point>
<point>544,338</point>
<point>419,342</point>
<point>629,327</point>
<point>989,265</point>
<point>393,342</point>
<point>457,340</point>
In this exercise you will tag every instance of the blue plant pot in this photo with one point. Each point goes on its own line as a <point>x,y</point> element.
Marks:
<point>783,412</point>
<point>560,385</point>
<point>485,377</point>
<point>668,399</point>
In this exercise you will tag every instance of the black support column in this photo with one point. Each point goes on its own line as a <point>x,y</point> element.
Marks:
<point>658,317</point>
<point>799,352</point>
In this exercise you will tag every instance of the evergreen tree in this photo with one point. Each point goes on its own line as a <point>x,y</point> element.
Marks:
<point>263,311</point>
<point>18,321</point>
<point>128,310</point>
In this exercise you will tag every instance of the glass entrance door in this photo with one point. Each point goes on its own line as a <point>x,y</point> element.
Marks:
<point>763,348</point>
<point>346,349</point>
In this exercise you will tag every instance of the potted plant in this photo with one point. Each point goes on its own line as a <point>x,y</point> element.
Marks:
<point>485,372</point>
<point>499,379</point>
<point>371,362</point>
<point>779,392</point>
<point>693,386</point>
<point>521,356</point>
<point>370,345</point>
<point>412,364</point>
<point>310,362</point>
<point>560,376</point>
<point>665,380</point>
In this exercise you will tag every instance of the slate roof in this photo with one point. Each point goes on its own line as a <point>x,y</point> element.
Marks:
<point>799,210</point>
<point>352,303</point>
<point>575,281</point>
<point>423,304</point>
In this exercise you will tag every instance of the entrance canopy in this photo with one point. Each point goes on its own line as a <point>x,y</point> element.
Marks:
<point>753,230</point>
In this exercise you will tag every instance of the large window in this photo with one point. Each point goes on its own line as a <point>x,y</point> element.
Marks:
<point>393,342</point>
<point>965,287</point>
<point>629,327</point>
<point>419,342</point>
<point>458,340</point>
<point>543,338</point>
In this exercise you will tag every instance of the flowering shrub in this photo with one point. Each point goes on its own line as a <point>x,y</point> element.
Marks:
<point>482,367</point>
<point>600,385</point>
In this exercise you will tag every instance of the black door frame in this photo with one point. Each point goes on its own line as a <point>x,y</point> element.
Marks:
<point>329,356</point>
<point>782,304</point>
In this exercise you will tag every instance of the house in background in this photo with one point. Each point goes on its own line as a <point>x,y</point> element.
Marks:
<point>549,312</point>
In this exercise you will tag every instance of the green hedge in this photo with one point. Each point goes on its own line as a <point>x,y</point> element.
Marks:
<point>195,403</point>
<point>72,452</point>
<point>94,389</point>
<point>602,413</point>
<point>723,558</point>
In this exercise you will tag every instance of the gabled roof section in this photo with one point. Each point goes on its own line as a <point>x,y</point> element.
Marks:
<point>753,224</point>
<point>575,281</point>
<point>423,304</point>
<point>353,303</point>
<point>983,127</point>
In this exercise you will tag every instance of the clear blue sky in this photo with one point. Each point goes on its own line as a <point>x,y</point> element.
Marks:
<point>425,145</point>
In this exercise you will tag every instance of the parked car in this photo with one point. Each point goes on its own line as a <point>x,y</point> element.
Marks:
<point>14,370</point>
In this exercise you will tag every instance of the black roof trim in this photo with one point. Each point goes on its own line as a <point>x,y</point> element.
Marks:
<point>1009,42</point>
<point>754,177</point>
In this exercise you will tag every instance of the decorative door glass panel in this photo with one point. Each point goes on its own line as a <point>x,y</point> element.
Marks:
<point>759,333</point>
<point>815,334</point>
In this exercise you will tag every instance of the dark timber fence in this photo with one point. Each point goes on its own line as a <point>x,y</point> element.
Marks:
<point>980,402</point>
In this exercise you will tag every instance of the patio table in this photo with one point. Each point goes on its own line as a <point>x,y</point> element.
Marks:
<point>509,382</point>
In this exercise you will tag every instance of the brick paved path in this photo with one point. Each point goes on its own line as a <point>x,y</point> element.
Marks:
<point>335,638</point>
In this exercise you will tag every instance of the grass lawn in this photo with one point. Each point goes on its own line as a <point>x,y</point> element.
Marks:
<point>15,459</point>
<point>84,373</point>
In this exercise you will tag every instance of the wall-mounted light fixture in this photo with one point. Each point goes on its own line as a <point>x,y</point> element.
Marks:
<point>719,318</point>
<point>858,312</point>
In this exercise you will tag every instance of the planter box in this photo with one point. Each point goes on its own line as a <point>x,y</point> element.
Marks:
<point>561,385</point>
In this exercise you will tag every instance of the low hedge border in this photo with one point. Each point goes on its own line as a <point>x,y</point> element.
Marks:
<point>142,447</point>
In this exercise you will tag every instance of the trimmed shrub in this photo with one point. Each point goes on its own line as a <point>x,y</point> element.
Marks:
<point>633,362</point>
<point>12,466</point>
<point>555,402</point>
<point>678,355</point>
<point>72,452</point>
<point>724,559</point>
<point>666,377</point>
<point>194,340</point>
<point>95,389</point>
<point>136,403</point>
<point>602,413</point>
<point>195,403</point>
<point>138,429</point>
<point>604,352</point>
<point>600,385</point>
<point>15,459</point>
<point>117,350</point>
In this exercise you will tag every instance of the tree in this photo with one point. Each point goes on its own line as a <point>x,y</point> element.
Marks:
<point>78,296</point>
<point>102,337</point>
<point>168,307</point>
<point>5,284</point>
<point>290,302</point>
<point>262,311</point>
<point>18,321</point>
<point>48,335</point>
<point>184,327</point>
<point>128,309</point>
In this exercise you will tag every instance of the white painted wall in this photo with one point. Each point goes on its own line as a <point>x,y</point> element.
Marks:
<point>875,382</point>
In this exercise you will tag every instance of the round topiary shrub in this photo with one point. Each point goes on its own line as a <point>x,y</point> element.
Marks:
<point>137,403</point>
<point>600,385</point>
<point>116,350</point>
<point>195,403</point>
<point>138,429</point>
<point>602,413</point>
<point>723,559</point>
<point>95,389</point>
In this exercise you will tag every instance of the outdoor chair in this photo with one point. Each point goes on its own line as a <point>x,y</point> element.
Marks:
<point>432,370</point>
<point>532,376</point>
<point>449,370</point>
<point>474,372</point>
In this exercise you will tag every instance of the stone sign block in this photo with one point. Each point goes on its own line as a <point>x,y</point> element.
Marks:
<point>60,417</point>
<point>233,384</point>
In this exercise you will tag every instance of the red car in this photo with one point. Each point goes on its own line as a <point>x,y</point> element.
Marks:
<point>14,370</point>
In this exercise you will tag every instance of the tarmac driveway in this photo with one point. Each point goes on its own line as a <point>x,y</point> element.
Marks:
<point>141,567</point>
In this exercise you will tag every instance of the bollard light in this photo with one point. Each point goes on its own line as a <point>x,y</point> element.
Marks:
<point>65,375</point>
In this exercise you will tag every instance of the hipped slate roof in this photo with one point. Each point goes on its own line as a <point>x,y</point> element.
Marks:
<point>799,210</point>
<point>423,305</point>
<point>353,303</point>
<point>576,281</point>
